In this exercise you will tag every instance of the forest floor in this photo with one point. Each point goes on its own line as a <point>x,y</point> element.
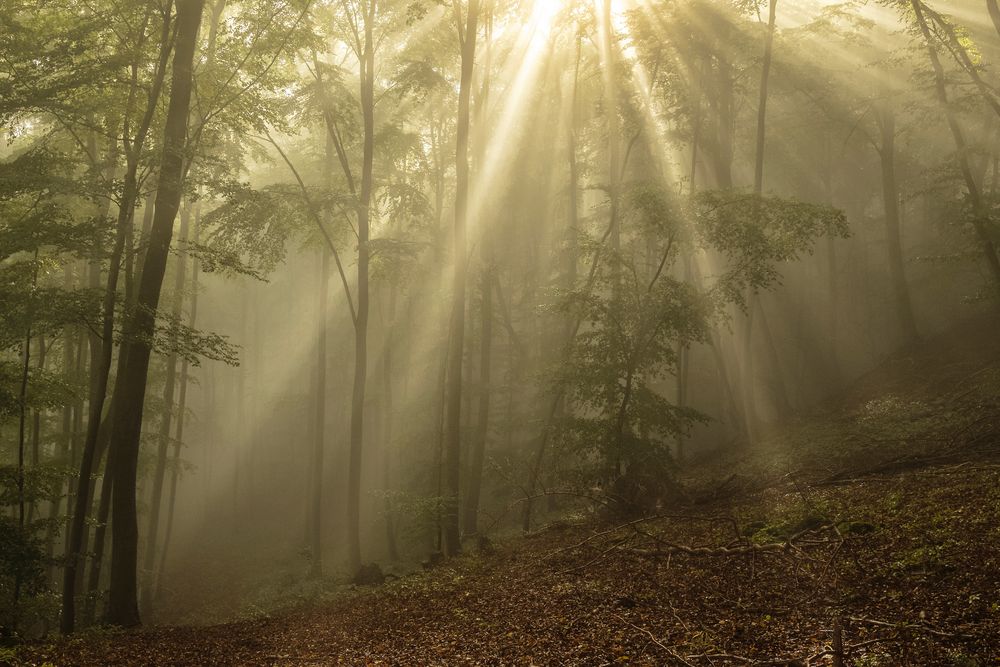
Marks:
<point>879,514</point>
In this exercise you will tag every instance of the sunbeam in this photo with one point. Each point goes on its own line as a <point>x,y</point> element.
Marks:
<point>545,316</point>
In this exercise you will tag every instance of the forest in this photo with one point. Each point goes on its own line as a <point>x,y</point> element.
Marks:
<point>500,332</point>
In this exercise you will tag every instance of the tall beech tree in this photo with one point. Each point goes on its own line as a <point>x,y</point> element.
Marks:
<point>102,346</point>
<point>123,608</point>
<point>468,36</point>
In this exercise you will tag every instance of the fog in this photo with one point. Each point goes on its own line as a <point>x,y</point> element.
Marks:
<point>439,276</point>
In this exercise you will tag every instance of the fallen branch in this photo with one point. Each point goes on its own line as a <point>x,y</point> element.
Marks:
<point>672,547</point>
<point>909,626</point>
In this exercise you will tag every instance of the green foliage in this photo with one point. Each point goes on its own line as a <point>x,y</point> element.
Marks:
<point>643,306</point>
<point>755,235</point>
<point>41,482</point>
<point>22,575</point>
<point>46,389</point>
<point>46,310</point>
<point>250,231</point>
<point>174,337</point>
<point>57,72</point>
<point>631,321</point>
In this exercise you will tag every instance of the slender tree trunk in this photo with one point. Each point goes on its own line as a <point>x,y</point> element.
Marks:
<point>67,429</point>
<point>453,419</point>
<point>765,79</point>
<point>163,441</point>
<point>572,250</point>
<point>22,420</point>
<point>777,386</point>
<point>994,10</point>
<point>36,425</point>
<point>478,454</point>
<point>615,173</point>
<point>442,418</point>
<point>573,196</point>
<point>890,202</point>
<point>100,544</point>
<point>255,493</point>
<point>361,322</point>
<point>319,422</point>
<point>240,430</point>
<point>722,100</point>
<point>388,417</point>
<point>181,411</point>
<point>123,606</point>
<point>833,291</point>
<point>683,365</point>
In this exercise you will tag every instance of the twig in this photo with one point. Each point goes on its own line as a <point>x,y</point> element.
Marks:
<point>653,639</point>
<point>599,557</point>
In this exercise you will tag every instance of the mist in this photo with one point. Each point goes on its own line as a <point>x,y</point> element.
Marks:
<point>308,303</point>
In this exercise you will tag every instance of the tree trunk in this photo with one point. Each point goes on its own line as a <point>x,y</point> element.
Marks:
<point>36,425</point>
<point>754,305</point>
<point>67,430</point>
<point>832,290</point>
<point>240,430</point>
<point>573,196</point>
<point>453,418</point>
<point>722,101</point>
<point>123,606</point>
<point>181,410</point>
<point>163,448</point>
<point>779,390</point>
<point>100,545</point>
<point>319,422</point>
<point>23,412</point>
<point>683,365</point>
<point>102,346</point>
<point>890,201</point>
<point>163,441</point>
<point>615,174</point>
<point>361,322</point>
<point>387,434</point>
<point>478,455</point>
<point>765,78</point>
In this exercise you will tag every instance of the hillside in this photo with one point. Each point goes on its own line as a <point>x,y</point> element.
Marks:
<point>879,515</point>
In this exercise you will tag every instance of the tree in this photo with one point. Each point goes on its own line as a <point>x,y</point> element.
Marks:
<point>102,347</point>
<point>468,36</point>
<point>886,121</point>
<point>979,216</point>
<point>123,599</point>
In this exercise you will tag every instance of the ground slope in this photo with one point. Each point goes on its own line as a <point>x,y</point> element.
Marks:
<point>879,515</point>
